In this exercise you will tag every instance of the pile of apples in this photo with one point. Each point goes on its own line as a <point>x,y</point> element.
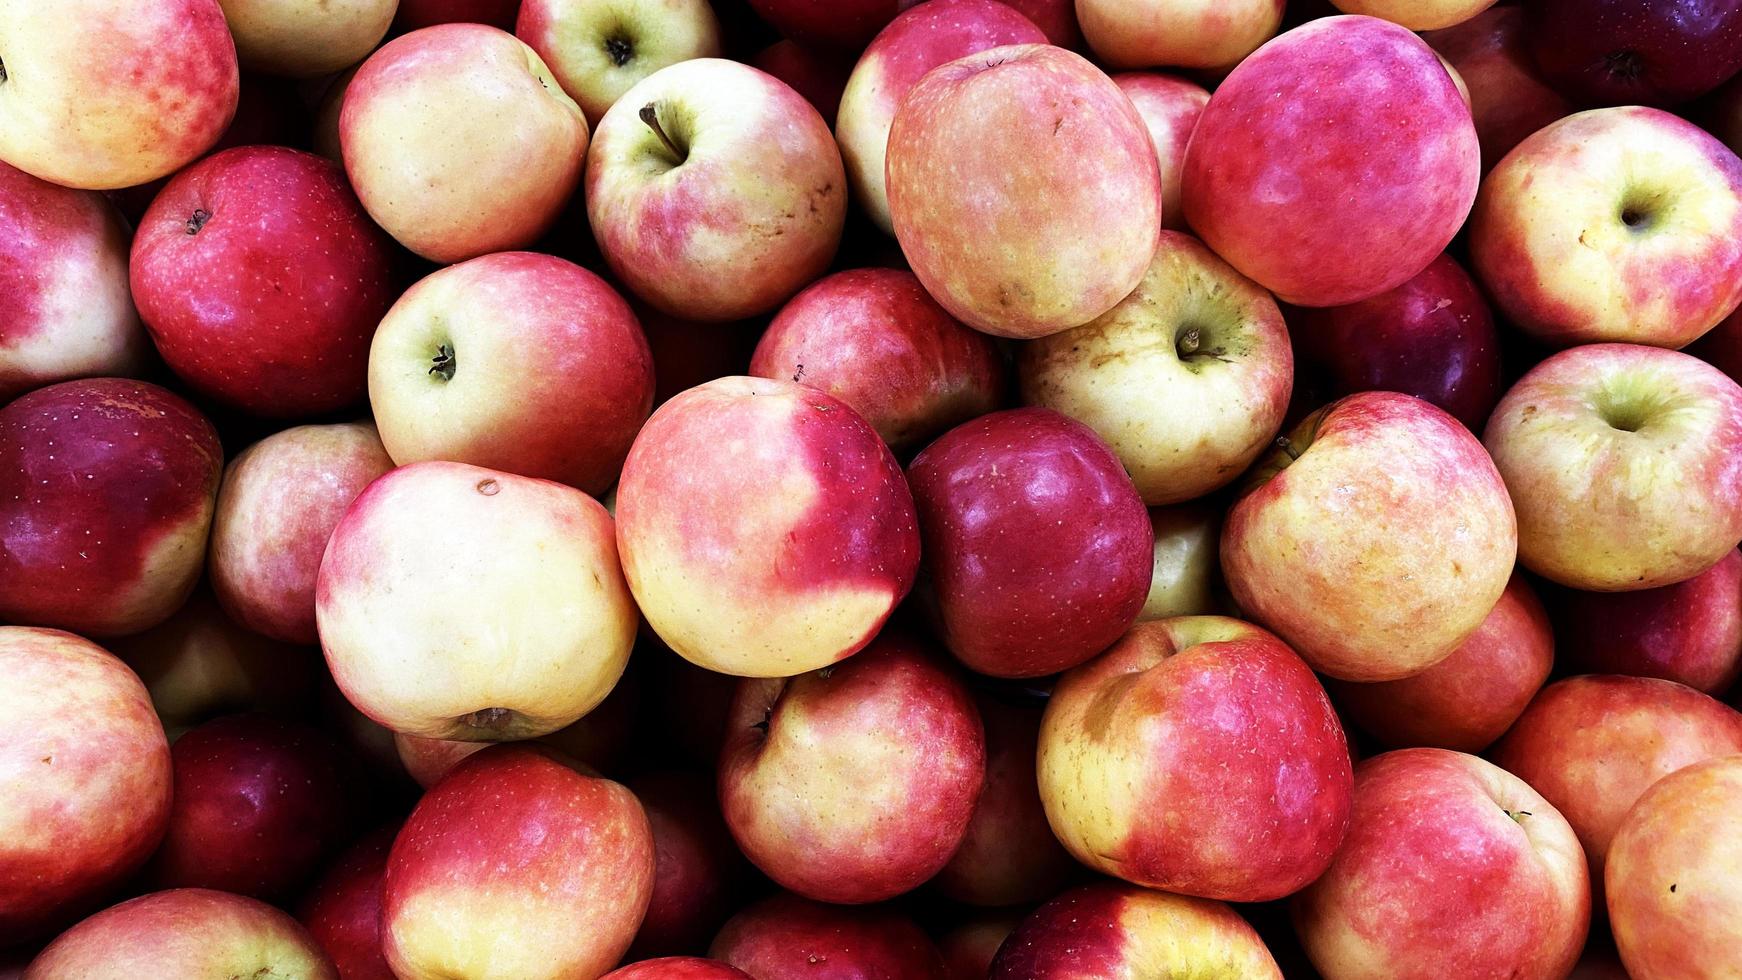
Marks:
<point>870,489</point>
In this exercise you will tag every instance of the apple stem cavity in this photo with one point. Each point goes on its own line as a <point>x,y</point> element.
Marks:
<point>444,363</point>
<point>198,220</point>
<point>650,116</point>
<point>1516,815</point>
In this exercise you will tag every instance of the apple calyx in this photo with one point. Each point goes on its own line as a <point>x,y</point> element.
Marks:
<point>489,719</point>
<point>2,71</point>
<point>1516,815</point>
<point>1625,66</point>
<point>619,50</point>
<point>650,116</point>
<point>444,364</point>
<point>198,220</point>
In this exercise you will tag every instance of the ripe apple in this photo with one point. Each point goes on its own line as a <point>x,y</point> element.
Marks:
<point>698,872</point>
<point>1037,547</point>
<point>1057,18</point>
<point>264,307</point>
<point>915,42</point>
<point>460,142</point>
<point>1417,15</point>
<point>1689,632</point>
<point>787,936</point>
<point>89,97</point>
<point>1375,541</point>
<point>599,49</point>
<point>715,191</point>
<point>1065,236</point>
<point>971,945</point>
<point>1186,575</point>
<point>842,25</point>
<point>1211,34</point>
<point>85,775</point>
<point>1508,98</point>
<point>106,494</point>
<point>1617,52</point>
<point>1187,378</point>
<point>516,361</point>
<point>678,968</point>
<point>1453,868</point>
<point>417,14</point>
<point>1296,177</point>
<point>817,76</point>
<point>306,38</point>
<point>516,865</point>
<point>342,910</point>
<point>1625,464</point>
<point>1170,107</point>
<point>1613,225</point>
<point>786,550</point>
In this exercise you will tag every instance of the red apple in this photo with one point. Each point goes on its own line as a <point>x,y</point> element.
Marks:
<point>698,873</point>
<point>1210,34</point>
<point>106,495</point>
<point>844,25</point>
<point>1618,52</point>
<point>789,937</point>
<point>416,14</point>
<point>970,947</point>
<point>342,910</point>
<point>1690,632</point>
<point>818,76</point>
<point>1170,107</point>
<point>678,968</point>
<point>306,38</point>
<point>1508,98</point>
<point>598,51</point>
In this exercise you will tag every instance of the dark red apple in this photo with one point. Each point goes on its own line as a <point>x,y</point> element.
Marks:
<point>1508,98</point>
<point>1056,18</point>
<point>844,25</point>
<point>342,910</point>
<point>787,937</point>
<point>1690,632</point>
<point>820,78</point>
<point>416,14</point>
<point>678,968</point>
<point>1629,52</point>
<point>698,871</point>
<point>970,946</point>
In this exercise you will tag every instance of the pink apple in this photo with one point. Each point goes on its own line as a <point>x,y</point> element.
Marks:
<point>698,873</point>
<point>306,38</point>
<point>844,25</point>
<point>416,14</point>
<point>787,936</point>
<point>106,495</point>
<point>599,49</point>
<point>1690,632</point>
<point>1074,226</point>
<point>1298,178</point>
<point>1508,98</point>
<point>678,968</point>
<point>1211,34</point>
<point>970,947</point>
<point>818,76</point>
<point>1170,107</point>
<point>342,910</point>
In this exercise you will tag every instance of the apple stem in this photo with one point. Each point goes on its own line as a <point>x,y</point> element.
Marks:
<point>198,220</point>
<point>1283,444</point>
<point>444,363</point>
<point>650,116</point>
<point>1190,341</point>
<point>1516,814</point>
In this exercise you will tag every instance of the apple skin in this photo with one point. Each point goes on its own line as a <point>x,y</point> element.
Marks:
<point>1613,225</point>
<point>1075,227</point>
<point>1186,577</point>
<point>1673,905</point>
<point>970,947</point>
<point>751,213</point>
<point>1452,867</point>
<point>1376,541</point>
<point>599,49</point>
<point>1472,697</point>
<point>842,25</point>
<point>580,866</point>
<point>1625,464</point>
<point>100,107</point>
<point>342,910</point>
<point>1198,756</point>
<point>306,38</point>
<point>526,340</point>
<point>1613,52</point>
<point>460,142</point>
<point>855,783</point>
<point>1349,208</point>
<point>184,932</point>
<point>1432,337</point>
<point>107,489</point>
<point>1417,15</point>
<point>876,340</point>
<point>1210,34</point>
<point>1113,931</point>
<point>65,308</point>
<point>816,76</point>
<point>698,872</point>
<point>915,42</point>
<point>1170,107</point>
<point>86,778</point>
<point>1187,379</point>
<point>678,968</point>
<point>417,14</point>
<point>785,936</point>
<point>278,505</point>
<point>1508,98</point>
<point>261,278</point>
<point>788,552</point>
<point>1038,549</point>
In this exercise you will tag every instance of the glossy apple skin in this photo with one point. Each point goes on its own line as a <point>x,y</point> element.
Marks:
<point>1472,697</point>
<point>1508,98</point>
<point>1038,549</point>
<point>843,25</point>
<point>107,489</point>
<point>416,14</point>
<point>678,968</point>
<point>1611,52</point>
<point>876,340</point>
<point>1674,908</point>
<point>1208,34</point>
<point>1146,775</point>
<point>816,76</point>
<point>185,932</point>
<point>579,859</point>
<point>99,107</point>
<point>551,376</point>
<point>573,38</point>
<point>1689,632</point>
<point>1333,551</point>
<point>1170,107</point>
<point>342,909</point>
<point>698,872</point>
<point>306,38</point>
<point>1329,227</point>
<point>65,308</point>
<point>86,777</point>
<point>1452,867</point>
<point>788,551</point>
<point>788,936</point>
<point>1432,337</point>
<point>1114,931</point>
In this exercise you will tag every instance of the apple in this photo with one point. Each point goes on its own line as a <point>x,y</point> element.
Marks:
<point>914,43</point>
<point>1432,337</point>
<point>1300,179</point>
<point>1198,756</point>
<point>1037,547</point>
<point>1187,378</point>
<point>64,299</point>
<point>106,495</point>
<point>1210,34</point>
<point>842,25</point>
<point>1113,931</point>
<point>416,14</point>
<point>261,306</point>
<point>1508,98</point>
<point>599,49</point>
<point>1057,18</point>
<point>1185,577</point>
<point>1675,908</point>
<point>1375,541</point>
<point>1029,251</point>
<point>1472,697</point>
<point>1417,15</point>
<point>516,865</point>
<point>88,98</point>
<point>678,968</point>
<point>1613,225</point>
<point>1689,632</point>
<point>278,504</point>
<point>818,77</point>
<point>516,361</point>
<point>1721,347</point>
<point>85,775</point>
<point>1170,107</point>
<point>459,141</point>
<point>184,932</point>
<point>698,873</point>
<point>786,550</point>
<point>342,909</point>
<point>970,946</point>
<point>1616,52</point>
<point>876,340</point>
<point>715,191</point>
<point>1625,464</point>
<point>787,936</point>
<point>1452,867</point>
<point>459,602</point>
<point>306,38</point>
